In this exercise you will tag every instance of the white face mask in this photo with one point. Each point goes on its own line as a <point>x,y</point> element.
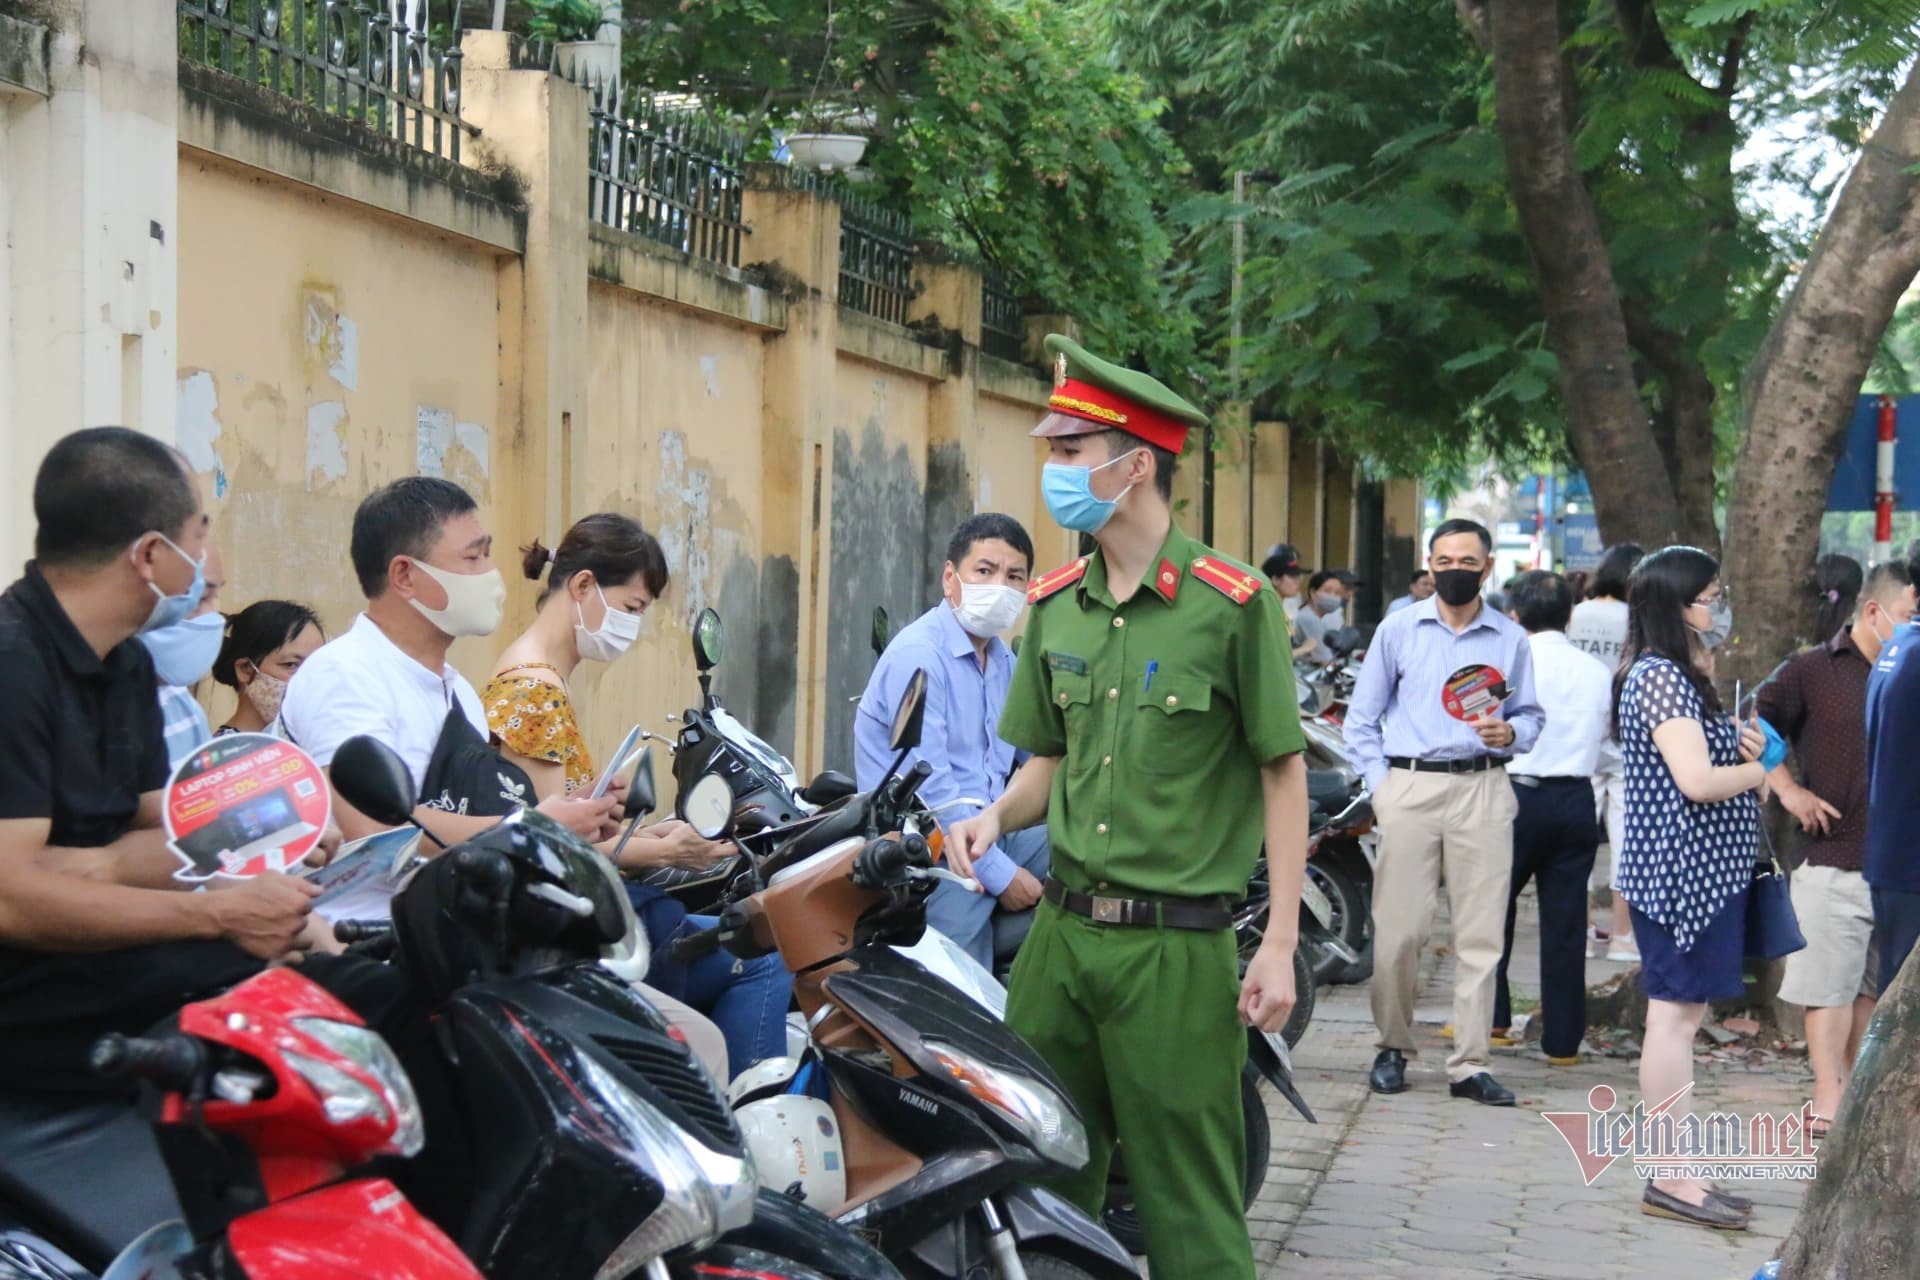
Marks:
<point>988,609</point>
<point>617,631</point>
<point>475,601</point>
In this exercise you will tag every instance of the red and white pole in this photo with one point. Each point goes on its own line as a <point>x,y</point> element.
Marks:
<point>1883,484</point>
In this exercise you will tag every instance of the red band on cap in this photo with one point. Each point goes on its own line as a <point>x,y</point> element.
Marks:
<point>1097,404</point>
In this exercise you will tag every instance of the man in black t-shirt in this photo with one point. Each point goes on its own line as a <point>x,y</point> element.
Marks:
<point>95,934</point>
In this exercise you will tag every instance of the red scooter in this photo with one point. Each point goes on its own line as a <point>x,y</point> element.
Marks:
<point>269,1094</point>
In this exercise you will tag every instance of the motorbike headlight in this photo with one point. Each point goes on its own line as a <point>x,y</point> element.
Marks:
<point>689,1209</point>
<point>345,1098</point>
<point>1042,1116</point>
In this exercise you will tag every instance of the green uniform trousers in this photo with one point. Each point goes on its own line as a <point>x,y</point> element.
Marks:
<point>1141,1025</point>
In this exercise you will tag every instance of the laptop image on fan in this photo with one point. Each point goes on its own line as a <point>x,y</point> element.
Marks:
<point>268,821</point>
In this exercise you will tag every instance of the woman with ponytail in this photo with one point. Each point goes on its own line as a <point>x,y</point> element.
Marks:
<point>598,583</point>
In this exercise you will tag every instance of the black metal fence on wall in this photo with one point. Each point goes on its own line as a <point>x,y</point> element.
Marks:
<point>876,259</point>
<point>1003,331</point>
<point>346,58</point>
<point>673,176</point>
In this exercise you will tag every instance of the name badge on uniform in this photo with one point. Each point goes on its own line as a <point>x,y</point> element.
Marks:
<point>1068,663</point>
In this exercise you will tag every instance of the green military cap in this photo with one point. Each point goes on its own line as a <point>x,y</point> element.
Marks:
<point>1091,394</point>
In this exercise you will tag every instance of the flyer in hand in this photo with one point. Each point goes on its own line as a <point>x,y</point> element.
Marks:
<point>363,877</point>
<point>1473,691</point>
<point>244,804</point>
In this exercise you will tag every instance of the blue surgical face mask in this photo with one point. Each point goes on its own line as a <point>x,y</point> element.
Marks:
<point>168,610</point>
<point>184,652</point>
<point>1068,492</point>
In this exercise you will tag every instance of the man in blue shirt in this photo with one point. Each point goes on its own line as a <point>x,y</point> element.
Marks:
<point>1893,795</point>
<point>957,643</point>
<point>1443,702</point>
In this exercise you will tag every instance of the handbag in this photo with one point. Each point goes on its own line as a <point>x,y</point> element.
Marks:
<point>1773,930</point>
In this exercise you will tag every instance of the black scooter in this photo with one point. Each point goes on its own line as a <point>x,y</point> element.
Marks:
<point>948,1116</point>
<point>601,1148</point>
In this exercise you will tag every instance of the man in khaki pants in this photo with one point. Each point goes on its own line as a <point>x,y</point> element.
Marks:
<point>1444,700</point>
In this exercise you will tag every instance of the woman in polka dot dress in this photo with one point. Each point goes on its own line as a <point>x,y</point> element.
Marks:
<point>1692,829</point>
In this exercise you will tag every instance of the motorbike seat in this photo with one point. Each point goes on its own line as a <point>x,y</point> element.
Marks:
<point>84,1171</point>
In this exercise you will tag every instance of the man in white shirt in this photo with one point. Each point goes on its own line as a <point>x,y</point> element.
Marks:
<point>1555,834</point>
<point>425,562</point>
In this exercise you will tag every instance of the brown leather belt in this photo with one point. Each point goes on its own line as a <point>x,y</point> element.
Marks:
<point>1187,913</point>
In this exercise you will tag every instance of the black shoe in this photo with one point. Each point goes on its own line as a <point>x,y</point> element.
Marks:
<point>1711,1212</point>
<point>1482,1088</point>
<point>1739,1204</point>
<point>1389,1074</point>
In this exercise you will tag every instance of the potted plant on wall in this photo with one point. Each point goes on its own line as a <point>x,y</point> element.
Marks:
<point>573,28</point>
<point>821,141</point>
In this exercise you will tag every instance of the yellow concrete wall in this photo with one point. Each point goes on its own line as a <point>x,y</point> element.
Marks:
<point>349,322</point>
<point>673,427</point>
<point>323,353</point>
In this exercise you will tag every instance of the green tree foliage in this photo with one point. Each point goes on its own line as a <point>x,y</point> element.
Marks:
<point>1000,125</point>
<point>1387,295</point>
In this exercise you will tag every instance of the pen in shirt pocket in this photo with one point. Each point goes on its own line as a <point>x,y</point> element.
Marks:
<point>1152,667</point>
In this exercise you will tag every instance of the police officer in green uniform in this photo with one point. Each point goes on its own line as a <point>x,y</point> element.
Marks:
<point>1155,691</point>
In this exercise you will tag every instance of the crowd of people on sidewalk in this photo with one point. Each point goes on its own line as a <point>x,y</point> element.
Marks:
<point>1505,740</point>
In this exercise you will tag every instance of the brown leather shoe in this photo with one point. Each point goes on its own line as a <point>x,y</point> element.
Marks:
<point>1712,1212</point>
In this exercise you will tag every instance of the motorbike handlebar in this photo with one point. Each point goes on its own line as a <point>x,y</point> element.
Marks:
<point>880,863</point>
<point>352,931</point>
<point>484,869</point>
<point>172,1062</point>
<point>908,786</point>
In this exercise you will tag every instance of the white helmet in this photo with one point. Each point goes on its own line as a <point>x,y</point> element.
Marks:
<point>763,1079</point>
<point>795,1140</point>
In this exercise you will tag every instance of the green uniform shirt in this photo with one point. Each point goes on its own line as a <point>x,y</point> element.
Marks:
<point>1159,790</point>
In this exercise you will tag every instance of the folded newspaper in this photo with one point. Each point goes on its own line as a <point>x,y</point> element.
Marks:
<point>360,883</point>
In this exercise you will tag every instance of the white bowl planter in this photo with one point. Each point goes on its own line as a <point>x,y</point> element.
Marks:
<point>592,62</point>
<point>827,152</point>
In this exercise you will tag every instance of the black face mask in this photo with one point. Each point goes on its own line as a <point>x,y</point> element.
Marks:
<point>1456,586</point>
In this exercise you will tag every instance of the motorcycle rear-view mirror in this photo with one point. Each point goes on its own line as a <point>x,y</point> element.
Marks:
<point>708,807</point>
<point>880,629</point>
<point>709,640</point>
<point>909,715</point>
<point>641,796</point>
<point>371,776</point>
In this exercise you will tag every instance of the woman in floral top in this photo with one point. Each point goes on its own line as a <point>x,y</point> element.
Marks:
<point>602,577</point>
<point>1687,856</point>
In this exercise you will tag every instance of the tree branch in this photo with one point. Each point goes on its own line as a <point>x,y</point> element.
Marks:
<point>1473,13</point>
<point>1646,38</point>
<point>1736,50</point>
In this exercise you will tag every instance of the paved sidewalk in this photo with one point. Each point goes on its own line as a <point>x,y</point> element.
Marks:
<point>1423,1185</point>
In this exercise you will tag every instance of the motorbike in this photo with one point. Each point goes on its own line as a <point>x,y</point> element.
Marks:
<point>593,1113</point>
<point>937,1117</point>
<point>262,1099</point>
<point>765,791</point>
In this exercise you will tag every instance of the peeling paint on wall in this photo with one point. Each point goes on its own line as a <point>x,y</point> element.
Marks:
<point>684,526</point>
<point>332,340</point>
<point>197,419</point>
<point>326,452</point>
<point>452,450</point>
<point>710,374</point>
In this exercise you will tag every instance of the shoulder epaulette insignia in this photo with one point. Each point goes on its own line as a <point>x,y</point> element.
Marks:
<point>1060,579</point>
<point>1234,584</point>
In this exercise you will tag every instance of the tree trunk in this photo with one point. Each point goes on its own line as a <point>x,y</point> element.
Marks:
<point>1607,423</point>
<point>1682,422</point>
<point>1861,1217</point>
<point>1801,389</point>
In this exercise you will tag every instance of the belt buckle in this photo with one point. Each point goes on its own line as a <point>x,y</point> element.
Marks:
<point>1461,764</point>
<point>1108,910</point>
